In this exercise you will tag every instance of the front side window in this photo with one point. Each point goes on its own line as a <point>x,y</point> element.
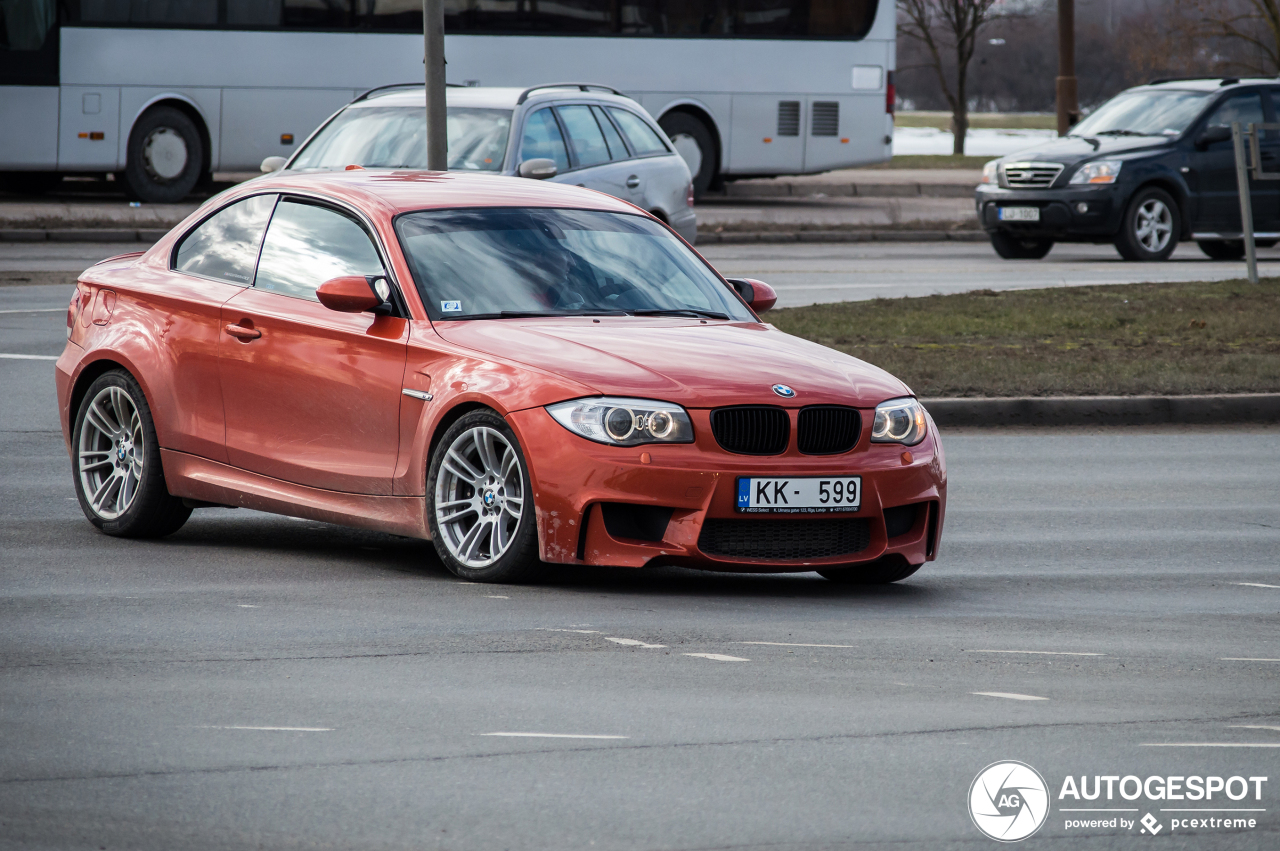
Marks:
<point>489,261</point>
<point>642,138</point>
<point>1244,108</point>
<point>396,137</point>
<point>307,245</point>
<point>542,140</point>
<point>225,245</point>
<point>585,134</point>
<point>1143,113</point>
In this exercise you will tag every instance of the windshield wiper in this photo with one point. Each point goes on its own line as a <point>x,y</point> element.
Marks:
<point>1121,133</point>
<point>679,311</point>
<point>536,314</point>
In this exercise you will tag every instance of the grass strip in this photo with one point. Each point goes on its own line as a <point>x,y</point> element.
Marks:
<point>1123,340</point>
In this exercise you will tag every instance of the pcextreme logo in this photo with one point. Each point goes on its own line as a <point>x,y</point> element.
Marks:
<point>1008,801</point>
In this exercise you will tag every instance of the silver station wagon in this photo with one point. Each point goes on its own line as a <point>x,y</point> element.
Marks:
<point>575,133</point>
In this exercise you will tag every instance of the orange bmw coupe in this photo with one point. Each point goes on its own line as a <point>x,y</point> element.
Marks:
<point>521,373</point>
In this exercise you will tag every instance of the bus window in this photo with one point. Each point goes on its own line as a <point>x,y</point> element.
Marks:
<point>542,139</point>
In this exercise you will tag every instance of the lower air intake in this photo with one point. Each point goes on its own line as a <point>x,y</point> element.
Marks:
<point>784,539</point>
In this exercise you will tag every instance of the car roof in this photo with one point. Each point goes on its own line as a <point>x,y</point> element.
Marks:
<point>397,191</point>
<point>486,97</point>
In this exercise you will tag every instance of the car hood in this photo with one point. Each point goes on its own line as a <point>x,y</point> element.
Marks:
<point>1070,150</point>
<point>682,361</point>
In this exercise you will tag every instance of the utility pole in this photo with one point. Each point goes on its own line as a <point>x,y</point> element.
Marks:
<point>1068,101</point>
<point>433,60</point>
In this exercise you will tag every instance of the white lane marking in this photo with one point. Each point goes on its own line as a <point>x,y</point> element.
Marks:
<point>247,606</point>
<point>787,644</point>
<point>631,642</point>
<point>1097,810</point>
<point>497,597</point>
<point>28,357</point>
<point>583,631</point>
<point>38,310</point>
<point>717,657</point>
<point>1255,585</point>
<point>270,729</point>
<point>1253,727</point>
<point>553,735</point>
<point>1040,652</point>
<point>1213,810</point>
<point>1244,659</point>
<point>1008,695</point>
<point>1210,745</point>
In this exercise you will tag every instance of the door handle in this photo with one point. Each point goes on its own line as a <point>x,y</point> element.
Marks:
<point>243,333</point>
<point>633,181</point>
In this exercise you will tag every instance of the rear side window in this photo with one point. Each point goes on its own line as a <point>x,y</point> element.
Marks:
<point>542,140</point>
<point>307,245</point>
<point>225,246</point>
<point>640,136</point>
<point>585,134</point>
<point>617,150</point>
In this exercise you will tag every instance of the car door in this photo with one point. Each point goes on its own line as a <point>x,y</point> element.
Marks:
<point>1214,167</point>
<point>601,161</point>
<point>655,174</point>
<point>312,395</point>
<point>210,264</point>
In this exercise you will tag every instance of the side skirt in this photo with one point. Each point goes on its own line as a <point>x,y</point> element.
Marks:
<point>192,477</point>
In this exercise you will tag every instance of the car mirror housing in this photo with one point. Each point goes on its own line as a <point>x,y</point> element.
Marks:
<point>349,294</point>
<point>538,169</point>
<point>758,295</point>
<point>1212,135</point>
<point>271,164</point>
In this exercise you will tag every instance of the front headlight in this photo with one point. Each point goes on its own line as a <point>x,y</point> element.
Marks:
<point>990,173</point>
<point>624,422</point>
<point>898,421</point>
<point>1100,171</point>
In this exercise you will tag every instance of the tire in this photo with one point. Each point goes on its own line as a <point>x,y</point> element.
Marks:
<point>30,182</point>
<point>1012,247</point>
<point>1222,249</point>
<point>118,475</point>
<point>471,500</point>
<point>165,156</point>
<point>889,569</point>
<point>693,141</point>
<point>1150,228</point>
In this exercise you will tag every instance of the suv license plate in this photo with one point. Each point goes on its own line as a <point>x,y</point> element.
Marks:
<point>816,495</point>
<point>1019,214</point>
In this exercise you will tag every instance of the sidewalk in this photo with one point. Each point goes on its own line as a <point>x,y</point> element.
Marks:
<point>862,183</point>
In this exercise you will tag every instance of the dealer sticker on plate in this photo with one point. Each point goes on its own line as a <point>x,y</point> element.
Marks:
<point>1019,214</point>
<point>799,495</point>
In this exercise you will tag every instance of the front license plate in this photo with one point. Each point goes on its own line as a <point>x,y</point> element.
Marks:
<point>799,495</point>
<point>1019,214</point>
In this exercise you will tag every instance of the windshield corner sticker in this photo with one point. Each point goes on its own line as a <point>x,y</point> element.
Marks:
<point>450,307</point>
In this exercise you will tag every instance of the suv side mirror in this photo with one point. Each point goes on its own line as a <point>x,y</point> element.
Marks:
<point>758,295</point>
<point>271,164</point>
<point>1212,135</point>
<point>354,293</point>
<point>538,169</point>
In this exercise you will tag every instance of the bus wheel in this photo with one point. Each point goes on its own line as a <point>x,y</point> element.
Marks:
<point>694,142</point>
<point>165,156</point>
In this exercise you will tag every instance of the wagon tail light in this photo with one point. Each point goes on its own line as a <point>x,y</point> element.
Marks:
<point>688,194</point>
<point>890,93</point>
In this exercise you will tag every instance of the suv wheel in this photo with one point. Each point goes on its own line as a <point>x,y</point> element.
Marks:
<point>1150,227</point>
<point>1013,247</point>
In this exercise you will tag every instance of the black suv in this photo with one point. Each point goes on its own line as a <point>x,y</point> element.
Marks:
<point>1152,166</point>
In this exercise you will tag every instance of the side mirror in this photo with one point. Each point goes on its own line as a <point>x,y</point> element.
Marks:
<point>1212,135</point>
<point>758,295</point>
<point>271,164</point>
<point>538,169</point>
<point>354,293</point>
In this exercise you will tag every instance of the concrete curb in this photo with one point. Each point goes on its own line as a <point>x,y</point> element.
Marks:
<point>746,191</point>
<point>1106,410</point>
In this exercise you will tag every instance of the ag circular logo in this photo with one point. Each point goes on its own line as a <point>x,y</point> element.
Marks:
<point>1008,801</point>
<point>784,391</point>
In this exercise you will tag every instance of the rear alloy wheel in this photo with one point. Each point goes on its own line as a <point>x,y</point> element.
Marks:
<point>883,571</point>
<point>1151,226</point>
<point>1222,249</point>
<point>1013,247</point>
<point>695,144</point>
<point>118,478</point>
<point>482,519</point>
<point>165,157</point>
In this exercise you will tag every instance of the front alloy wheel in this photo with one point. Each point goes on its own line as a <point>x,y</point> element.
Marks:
<point>1151,227</point>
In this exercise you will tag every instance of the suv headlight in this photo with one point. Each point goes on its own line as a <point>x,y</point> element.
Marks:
<point>990,172</point>
<point>898,421</point>
<point>1099,171</point>
<point>624,422</point>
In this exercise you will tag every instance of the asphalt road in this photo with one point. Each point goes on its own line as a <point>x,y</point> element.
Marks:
<point>809,273</point>
<point>259,682</point>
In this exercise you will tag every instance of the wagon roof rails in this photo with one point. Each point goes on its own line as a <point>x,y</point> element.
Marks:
<point>419,85</point>
<point>586,87</point>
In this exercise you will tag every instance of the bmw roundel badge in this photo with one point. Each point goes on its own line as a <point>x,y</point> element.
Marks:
<point>784,391</point>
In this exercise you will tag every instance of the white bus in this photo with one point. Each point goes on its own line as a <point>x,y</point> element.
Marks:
<point>162,93</point>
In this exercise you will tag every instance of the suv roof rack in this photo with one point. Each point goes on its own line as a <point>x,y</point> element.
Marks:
<point>1226,81</point>
<point>586,87</point>
<point>420,85</point>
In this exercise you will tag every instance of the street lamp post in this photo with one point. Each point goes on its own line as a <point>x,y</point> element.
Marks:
<point>1068,101</point>
<point>433,60</point>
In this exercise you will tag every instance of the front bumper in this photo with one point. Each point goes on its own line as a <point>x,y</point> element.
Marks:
<point>1061,218</point>
<point>575,482</point>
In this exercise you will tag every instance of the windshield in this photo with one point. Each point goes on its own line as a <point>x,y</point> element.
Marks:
<point>1149,113</point>
<point>492,262</point>
<point>395,137</point>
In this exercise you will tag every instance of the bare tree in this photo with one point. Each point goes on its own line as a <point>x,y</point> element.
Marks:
<point>949,30</point>
<point>1252,24</point>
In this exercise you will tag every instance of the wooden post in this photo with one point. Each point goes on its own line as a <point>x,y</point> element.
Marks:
<point>1068,100</point>
<point>433,60</point>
